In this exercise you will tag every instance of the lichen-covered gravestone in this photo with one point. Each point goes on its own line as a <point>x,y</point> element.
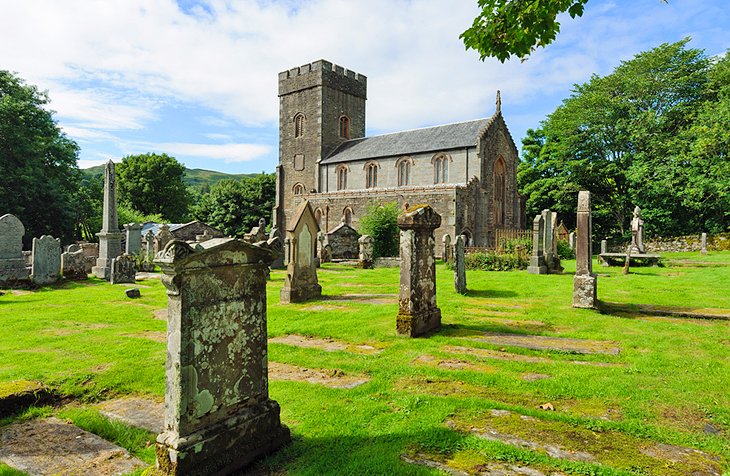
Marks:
<point>366,255</point>
<point>218,414</point>
<point>417,311</point>
<point>584,282</point>
<point>12,263</point>
<point>73,264</point>
<point>46,260</point>
<point>301,282</point>
<point>134,238</point>
<point>110,238</point>
<point>124,269</point>
<point>343,240</point>
<point>460,265</point>
<point>537,260</point>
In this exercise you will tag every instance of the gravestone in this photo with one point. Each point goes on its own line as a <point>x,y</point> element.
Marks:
<point>163,237</point>
<point>637,232</point>
<point>552,260</point>
<point>571,241</point>
<point>604,250</point>
<point>343,240</point>
<point>124,269</point>
<point>366,256</point>
<point>547,238</point>
<point>584,282</point>
<point>258,233</point>
<point>218,414</point>
<point>446,253</point>
<point>537,260</point>
<point>277,245</point>
<point>73,264</point>
<point>12,263</point>
<point>134,238</point>
<point>110,238</point>
<point>149,245</point>
<point>301,282</point>
<point>460,265</point>
<point>604,246</point>
<point>91,252</point>
<point>46,267</point>
<point>417,310</point>
<point>703,243</point>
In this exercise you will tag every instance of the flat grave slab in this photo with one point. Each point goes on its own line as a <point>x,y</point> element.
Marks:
<point>504,355</point>
<point>140,412</point>
<point>666,311</point>
<point>364,298</point>
<point>327,344</point>
<point>452,364</point>
<point>329,378</point>
<point>487,468</point>
<point>562,344</point>
<point>50,446</point>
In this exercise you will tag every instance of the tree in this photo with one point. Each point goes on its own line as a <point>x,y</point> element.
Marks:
<point>153,185</point>
<point>235,206</point>
<point>37,162</point>
<point>381,223</point>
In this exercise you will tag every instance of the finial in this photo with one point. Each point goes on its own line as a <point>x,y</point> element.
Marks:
<point>499,103</point>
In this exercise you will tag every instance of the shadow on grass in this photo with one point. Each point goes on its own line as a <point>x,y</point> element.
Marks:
<point>490,293</point>
<point>633,311</point>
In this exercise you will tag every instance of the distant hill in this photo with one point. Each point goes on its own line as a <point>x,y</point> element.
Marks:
<point>195,178</point>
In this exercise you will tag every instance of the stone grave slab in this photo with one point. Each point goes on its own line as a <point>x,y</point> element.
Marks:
<point>50,446</point>
<point>452,364</point>
<point>140,412</point>
<point>510,356</point>
<point>561,344</point>
<point>329,378</point>
<point>327,344</point>
<point>486,468</point>
<point>666,311</point>
<point>365,298</point>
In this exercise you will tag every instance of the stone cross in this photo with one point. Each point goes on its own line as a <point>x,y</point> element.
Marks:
<point>637,232</point>
<point>417,310</point>
<point>134,238</point>
<point>584,282</point>
<point>46,260</point>
<point>366,254</point>
<point>300,283</point>
<point>460,265</point>
<point>703,242</point>
<point>537,260</point>
<point>12,263</point>
<point>110,238</point>
<point>218,414</point>
<point>124,269</point>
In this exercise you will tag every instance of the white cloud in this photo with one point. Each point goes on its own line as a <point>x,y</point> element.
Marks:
<point>225,152</point>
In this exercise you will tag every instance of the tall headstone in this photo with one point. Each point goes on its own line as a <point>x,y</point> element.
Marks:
<point>460,264</point>
<point>571,241</point>
<point>584,282</point>
<point>134,238</point>
<point>703,243</point>
<point>110,238</point>
<point>417,310</point>
<point>604,246</point>
<point>73,264</point>
<point>218,414</point>
<point>547,237</point>
<point>149,245</point>
<point>12,262</point>
<point>537,260</point>
<point>124,269</point>
<point>277,245</point>
<point>446,253</point>
<point>46,260</point>
<point>163,237</point>
<point>301,282</point>
<point>366,256</point>
<point>637,232</point>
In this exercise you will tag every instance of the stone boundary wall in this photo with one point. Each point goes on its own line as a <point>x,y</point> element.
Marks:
<point>718,242</point>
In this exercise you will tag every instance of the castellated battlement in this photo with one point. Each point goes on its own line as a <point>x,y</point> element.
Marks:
<point>322,73</point>
<point>322,65</point>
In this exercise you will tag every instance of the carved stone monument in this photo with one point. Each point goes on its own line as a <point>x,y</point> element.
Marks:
<point>537,260</point>
<point>460,265</point>
<point>110,238</point>
<point>73,264</point>
<point>417,311</point>
<point>301,282</point>
<point>584,282</point>
<point>124,269</point>
<point>218,414</point>
<point>446,253</point>
<point>366,255</point>
<point>134,238</point>
<point>163,237</point>
<point>46,260</point>
<point>637,233</point>
<point>258,233</point>
<point>12,263</point>
<point>343,240</point>
<point>149,245</point>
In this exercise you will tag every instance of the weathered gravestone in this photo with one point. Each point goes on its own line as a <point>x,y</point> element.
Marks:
<point>571,241</point>
<point>258,233</point>
<point>460,264</point>
<point>46,260</point>
<point>324,250</point>
<point>537,260</point>
<point>301,281</point>
<point>343,240</point>
<point>552,260</point>
<point>366,255</point>
<point>637,232</point>
<point>124,269</point>
<point>604,246</point>
<point>218,414</point>
<point>446,253</point>
<point>149,245</point>
<point>12,263</point>
<point>73,264</point>
<point>134,238</point>
<point>163,237</point>
<point>703,243</point>
<point>110,238</point>
<point>277,244</point>
<point>417,311</point>
<point>584,282</point>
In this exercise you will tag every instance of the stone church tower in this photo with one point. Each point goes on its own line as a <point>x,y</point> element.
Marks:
<point>321,105</point>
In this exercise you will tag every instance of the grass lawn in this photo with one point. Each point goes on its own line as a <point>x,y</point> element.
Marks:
<point>427,398</point>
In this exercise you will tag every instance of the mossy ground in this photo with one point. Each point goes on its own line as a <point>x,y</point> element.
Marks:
<point>668,383</point>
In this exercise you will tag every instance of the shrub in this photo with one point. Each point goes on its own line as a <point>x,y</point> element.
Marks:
<point>513,246</point>
<point>564,251</point>
<point>492,261</point>
<point>381,223</point>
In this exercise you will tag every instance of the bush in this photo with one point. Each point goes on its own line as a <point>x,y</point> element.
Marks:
<point>564,251</point>
<point>492,261</point>
<point>513,246</point>
<point>381,223</point>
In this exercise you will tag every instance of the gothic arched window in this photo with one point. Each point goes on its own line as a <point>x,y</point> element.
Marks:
<point>341,177</point>
<point>299,121</point>
<point>371,174</point>
<point>404,171</point>
<point>298,189</point>
<point>499,192</point>
<point>347,216</point>
<point>441,168</point>
<point>344,127</point>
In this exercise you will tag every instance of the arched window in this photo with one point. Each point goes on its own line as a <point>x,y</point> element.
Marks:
<point>344,127</point>
<point>371,174</point>
<point>347,216</point>
<point>404,171</point>
<point>441,168</point>
<point>299,125</point>
<point>298,189</point>
<point>499,192</point>
<point>318,217</point>
<point>341,177</point>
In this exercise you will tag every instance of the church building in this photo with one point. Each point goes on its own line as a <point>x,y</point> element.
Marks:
<point>466,171</point>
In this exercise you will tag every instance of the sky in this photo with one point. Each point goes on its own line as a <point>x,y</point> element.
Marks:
<point>197,79</point>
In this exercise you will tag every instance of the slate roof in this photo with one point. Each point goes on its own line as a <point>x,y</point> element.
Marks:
<point>429,139</point>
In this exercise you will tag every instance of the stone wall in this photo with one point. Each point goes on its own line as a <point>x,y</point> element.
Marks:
<point>719,242</point>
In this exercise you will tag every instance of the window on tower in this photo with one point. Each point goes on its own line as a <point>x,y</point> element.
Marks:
<point>298,189</point>
<point>344,127</point>
<point>299,125</point>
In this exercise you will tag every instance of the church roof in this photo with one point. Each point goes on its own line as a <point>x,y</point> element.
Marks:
<point>429,139</point>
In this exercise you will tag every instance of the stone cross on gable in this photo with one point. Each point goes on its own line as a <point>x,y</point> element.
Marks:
<point>499,102</point>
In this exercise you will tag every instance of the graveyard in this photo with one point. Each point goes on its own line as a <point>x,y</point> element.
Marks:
<point>515,379</point>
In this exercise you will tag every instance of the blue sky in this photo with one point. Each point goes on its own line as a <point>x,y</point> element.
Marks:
<point>198,79</point>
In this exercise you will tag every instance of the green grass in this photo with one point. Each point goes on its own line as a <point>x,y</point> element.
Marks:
<point>670,380</point>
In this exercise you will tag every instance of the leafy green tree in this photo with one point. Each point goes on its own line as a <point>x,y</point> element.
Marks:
<point>235,206</point>
<point>37,163</point>
<point>381,222</point>
<point>153,185</point>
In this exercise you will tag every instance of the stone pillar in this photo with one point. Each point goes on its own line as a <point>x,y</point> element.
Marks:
<point>537,260</point>
<point>46,260</point>
<point>604,247</point>
<point>460,265</point>
<point>571,241</point>
<point>218,414</point>
<point>446,253</point>
<point>110,238</point>
<point>584,282</point>
<point>417,311</point>
<point>134,238</point>
<point>365,257</point>
<point>703,242</point>
<point>12,262</point>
